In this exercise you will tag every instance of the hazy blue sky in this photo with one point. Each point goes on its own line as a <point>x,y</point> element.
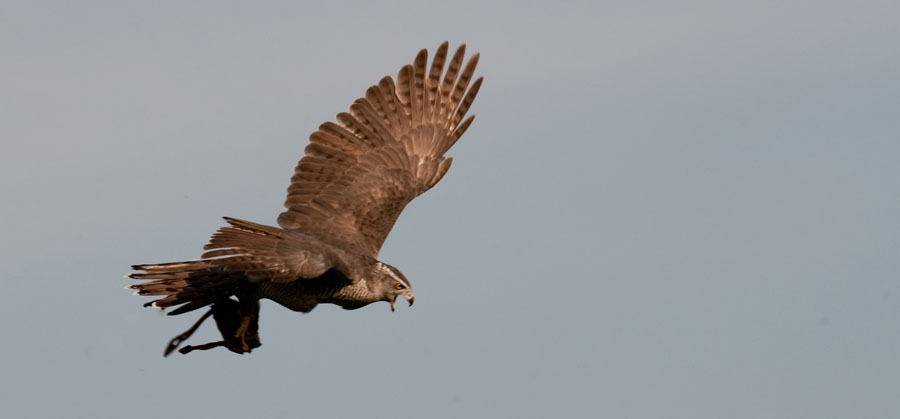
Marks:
<point>663,210</point>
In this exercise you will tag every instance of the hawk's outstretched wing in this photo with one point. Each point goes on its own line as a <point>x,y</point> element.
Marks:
<point>357,175</point>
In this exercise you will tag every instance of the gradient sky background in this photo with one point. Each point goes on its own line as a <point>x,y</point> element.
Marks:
<point>663,209</point>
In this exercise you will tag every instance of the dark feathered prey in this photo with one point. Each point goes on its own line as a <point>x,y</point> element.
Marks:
<point>347,191</point>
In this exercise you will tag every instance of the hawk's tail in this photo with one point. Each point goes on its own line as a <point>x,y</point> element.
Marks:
<point>195,284</point>
<point>191,285</point>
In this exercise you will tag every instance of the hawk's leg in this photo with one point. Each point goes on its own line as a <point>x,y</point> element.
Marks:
<point>241,333</point>
<point>238,322</point>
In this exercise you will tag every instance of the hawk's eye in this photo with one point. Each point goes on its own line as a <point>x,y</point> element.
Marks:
<point>399,286</point>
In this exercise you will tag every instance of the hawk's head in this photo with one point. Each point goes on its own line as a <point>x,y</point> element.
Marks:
<point>392,284</point>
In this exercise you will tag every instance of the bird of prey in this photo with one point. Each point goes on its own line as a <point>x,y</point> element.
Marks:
<point>356,176</point>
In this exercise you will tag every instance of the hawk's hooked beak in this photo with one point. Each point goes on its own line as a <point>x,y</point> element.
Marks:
<point>408,296</point>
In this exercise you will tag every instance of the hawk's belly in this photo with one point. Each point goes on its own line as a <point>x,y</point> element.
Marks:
<point>304,294</point>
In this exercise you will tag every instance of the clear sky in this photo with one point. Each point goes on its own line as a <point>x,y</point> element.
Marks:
<point>663,209</point>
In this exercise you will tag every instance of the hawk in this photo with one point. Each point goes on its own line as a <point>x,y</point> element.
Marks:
<point>356,176</point>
